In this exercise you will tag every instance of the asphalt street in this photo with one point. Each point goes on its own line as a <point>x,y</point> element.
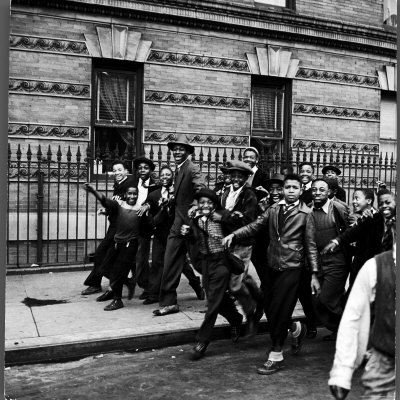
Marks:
<point>228,371</point>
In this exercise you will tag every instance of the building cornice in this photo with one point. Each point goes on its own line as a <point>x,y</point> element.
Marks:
<point>209,15</point>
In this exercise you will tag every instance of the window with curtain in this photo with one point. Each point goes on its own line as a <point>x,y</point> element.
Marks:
<point>115,122</point>
<point>267,110</point>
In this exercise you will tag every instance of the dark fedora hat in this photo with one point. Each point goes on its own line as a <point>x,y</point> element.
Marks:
<point>236,165</point>
<point>275,178</point>
<point>181,138</point>
<point>210,194</point>
<point>144,160</point>
<point>332,168</point>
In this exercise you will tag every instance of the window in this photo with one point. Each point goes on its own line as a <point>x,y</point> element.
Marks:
<point>390,12</point>
<point>116,114</point>
<point>268,4</point>
<point>269,114</point>
<point>388,126</point>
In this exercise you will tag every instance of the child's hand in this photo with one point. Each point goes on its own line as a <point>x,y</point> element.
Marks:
<point>262,189</point>
<point>101,211</point>
<point>237,215</point>
<point>227,241</point>
<point>185,229</point>
<point>192,212</point>
<point>116,198</point>
<point>142,210</point>
<point>215,217</point>
<point>88,187</point>
<point>381,185</point>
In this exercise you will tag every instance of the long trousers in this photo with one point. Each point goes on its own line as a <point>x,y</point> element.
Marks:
<point>95,276</point>
<point>306,299</point>
<point>329,304</point>
<point>216,280</point>
<point>379,377</point>
<point>120,257</point>
<point>156,269</point>
<point>280,297</point>
<point>174,260</point>
<point>142,269</point>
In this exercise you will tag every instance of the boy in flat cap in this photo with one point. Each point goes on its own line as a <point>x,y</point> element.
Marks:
<point>333,172</point>
<point>209,227</point>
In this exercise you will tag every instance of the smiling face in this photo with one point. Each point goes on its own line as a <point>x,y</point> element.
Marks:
<point>291,190</point>
<point>131,196</point>
<point>180,153</point>
<point>306,173</point>
<point>120,172</point>
<point>166,177</point>
<point>387,205</point>
<point>320,192</point>
<point>206,206</point>
<point>250,158</point>
<point>330,173</point>
<point>275,193</point>
<point>238,179</point>
<point>360,202</point>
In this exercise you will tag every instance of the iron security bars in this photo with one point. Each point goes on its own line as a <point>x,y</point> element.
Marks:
<point>52,221</point>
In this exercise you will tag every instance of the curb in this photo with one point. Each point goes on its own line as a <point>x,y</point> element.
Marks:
<point>45,270</point>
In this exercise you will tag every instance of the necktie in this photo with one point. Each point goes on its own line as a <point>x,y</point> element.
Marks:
<point>287,208</point>
<point>387,238</point>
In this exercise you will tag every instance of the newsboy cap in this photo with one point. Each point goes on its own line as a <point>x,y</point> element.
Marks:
<point>206,192</point>
<point>236,165</point>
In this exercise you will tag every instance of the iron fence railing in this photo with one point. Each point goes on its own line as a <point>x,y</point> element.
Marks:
<point>52,221</point>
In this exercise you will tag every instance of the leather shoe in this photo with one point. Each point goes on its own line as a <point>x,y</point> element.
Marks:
<point>144,296</point>
<point>91,290</point>
<point>114,305</point>
<point>201,295</point>
<point>311,333</point>
<point>149,300</point>
<point>107,295</point>
<point>131,285</point>
<point>166,310</point>
<point>297,342</point>
<point>270,367</point>
<point>198,351</point>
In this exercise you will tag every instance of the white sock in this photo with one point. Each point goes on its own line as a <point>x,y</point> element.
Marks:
<point>275,356</point>
<point>298,329</point>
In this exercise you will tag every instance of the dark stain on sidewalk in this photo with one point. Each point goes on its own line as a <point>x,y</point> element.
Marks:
<point>31,302</point>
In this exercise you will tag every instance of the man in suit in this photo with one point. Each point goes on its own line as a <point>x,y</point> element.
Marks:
<point>122,181</point>
<point>188,180</point>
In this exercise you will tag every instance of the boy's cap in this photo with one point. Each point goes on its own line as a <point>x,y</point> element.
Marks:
<point>181,139</point>
<point>144,160</point>
<point>224,169</point>
<point>332,168</point>
<point>253,149</point>
<point>276,178</point>
<point>236,165</point>
<point>210,194</point>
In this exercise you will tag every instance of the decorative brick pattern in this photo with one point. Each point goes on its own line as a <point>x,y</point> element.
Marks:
<point>316,110</point>
<point>197,139</point>
<point>328,145</point>
<point>24,42</point>
<point>48,131</point>
<point>196,100</point>
<point>31,86</point>
<point>337,77</point>
<point>197,61</point>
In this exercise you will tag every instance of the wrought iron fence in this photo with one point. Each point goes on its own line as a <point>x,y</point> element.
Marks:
<point>52,221</point>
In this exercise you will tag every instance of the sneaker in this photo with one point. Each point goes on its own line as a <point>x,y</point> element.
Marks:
<point>270,367</point>
<point>198,351</point>
<point>297,342</point>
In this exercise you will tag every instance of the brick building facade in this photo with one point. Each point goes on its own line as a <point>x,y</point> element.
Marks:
<point>126,76</point>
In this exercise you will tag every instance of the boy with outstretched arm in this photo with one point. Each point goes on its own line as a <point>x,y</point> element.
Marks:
<point>120,257</point>
<point>292,239</point>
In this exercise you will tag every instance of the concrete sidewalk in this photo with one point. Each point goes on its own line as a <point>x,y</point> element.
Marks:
<point>79,326</point>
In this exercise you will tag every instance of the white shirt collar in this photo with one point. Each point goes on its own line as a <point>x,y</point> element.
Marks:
<point>307,185</point>
<point>180,165</point>
<point>325,207</point>
<point>296,203</point>
<point>254,169</point>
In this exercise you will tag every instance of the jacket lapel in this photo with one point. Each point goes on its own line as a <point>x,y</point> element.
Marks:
<point>181,174</point>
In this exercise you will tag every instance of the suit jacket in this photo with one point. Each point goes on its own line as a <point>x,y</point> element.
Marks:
<point>260,178</point>
<point>188,181</point>
<point>289,246</point>
<point>341,194</point>
<point>119,189</point>
<point>367,233</point>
